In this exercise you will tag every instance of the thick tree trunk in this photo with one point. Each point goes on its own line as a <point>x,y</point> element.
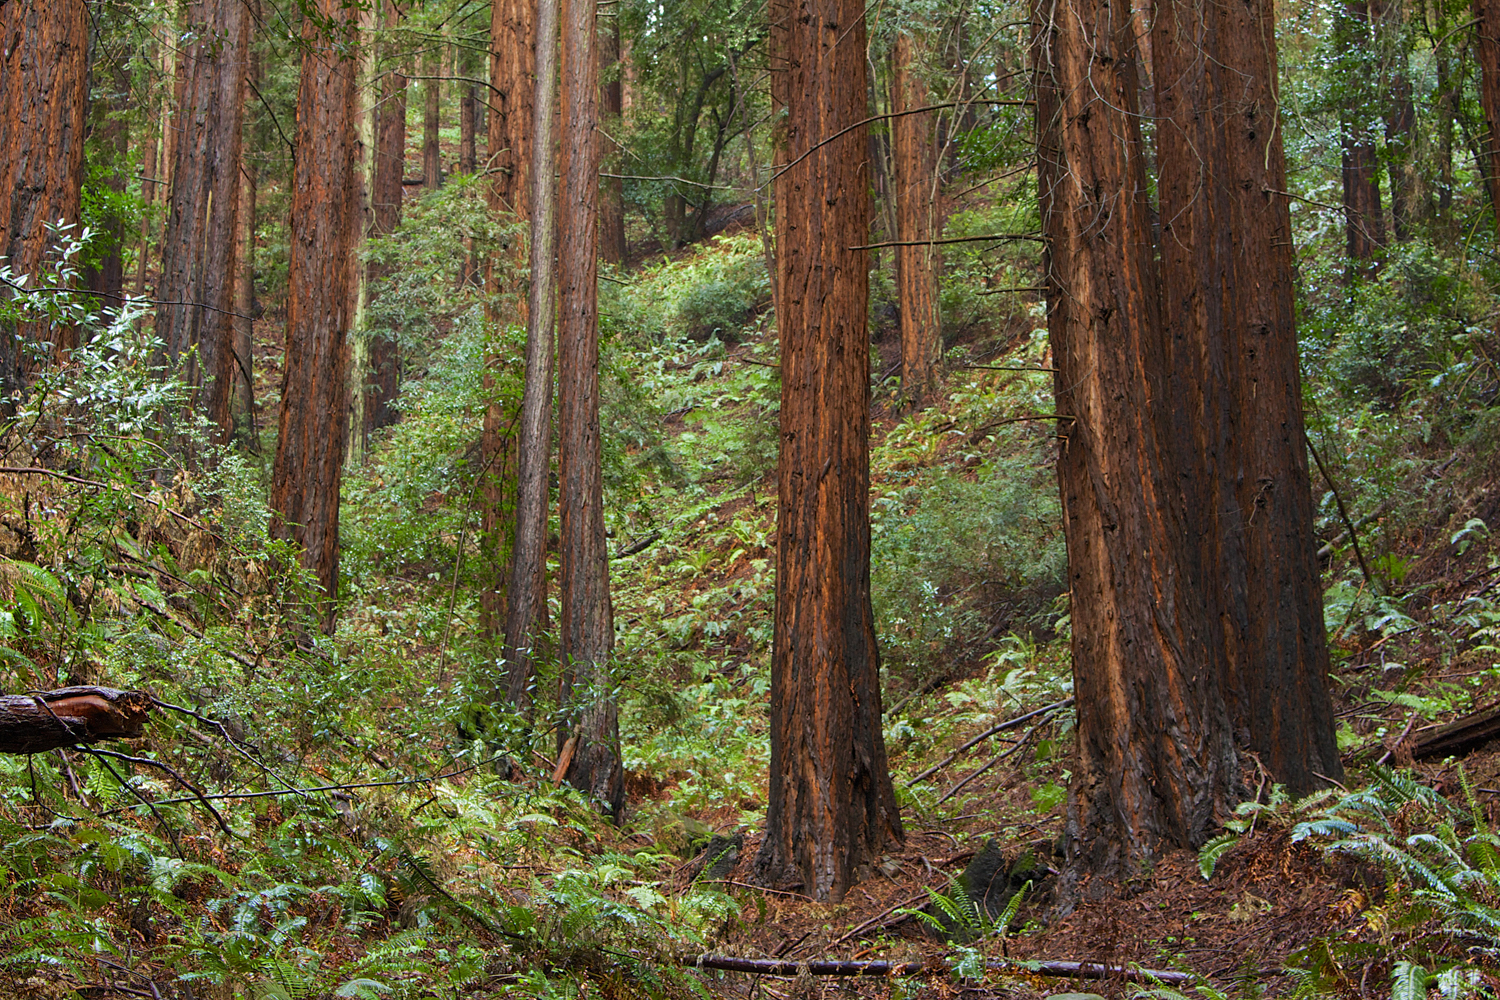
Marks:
<point>1156,764</point>
<point>383,382</point>
<point>36,723</point>
<point>1236,417</point>
<point>918,218</point>
<point>832,809</point>
<point>526,611</point>
<point>586,626</point>
<point>43,80</point>
<point>197,280</point>
<point>1487,14</point>
<point>314,392</point>
<point>611,189</point>
<point>1364,219</point>
<point>243,403</point>
<point>512,41</point>
<point>432,161</point>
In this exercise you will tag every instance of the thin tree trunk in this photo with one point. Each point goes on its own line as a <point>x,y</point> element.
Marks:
<point>1364,219</point>
<point>611,189</point>
<point>467,106</point>
<point>832,810</point>
<point>383,382</point>
<point>1156,765</point>
<point>106,279</point>
<point>43,102</point>
<point>198,248</point>
<point>1236,416</point>
<point>314,410</point>
<point>243,404</point>
<point>150,168</point>
<point>586,626</point>
<point>762,211</point>
<point>1400,115</point>
<point>366,130</point>
<point>432,162</point>
<point>512,92</point>
<point>1487,13</point>
<point>918,219</point>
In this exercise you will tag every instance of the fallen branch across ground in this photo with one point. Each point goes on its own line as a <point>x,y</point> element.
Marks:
<point>1002,727</point>
<point>47,720</point>
<point>823,967</point>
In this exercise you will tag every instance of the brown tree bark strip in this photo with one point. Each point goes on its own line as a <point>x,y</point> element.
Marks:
<point>35,723</point>
<point>512,26</point>
<point>432,161</point>
<point>586,626</point>
<point>526,612</point>
<point>1364,219</point>
<point>832,808</point>
<point>1400,115</point>
<point>1156,765</point>
<point>1487,33</point>
<point>43,80</point>
<point>918,219</point>
<point>383,383</point>
<point>198,249</point>
<point>242,405</point>
<point>1232,374</point>
<point>150,186</point>
<point>467,105</point>
<point>612,189</point>
<point>314,392</point>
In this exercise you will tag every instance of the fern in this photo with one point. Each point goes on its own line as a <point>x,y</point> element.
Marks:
<point>1409,981</point>
<point>1210,853</point>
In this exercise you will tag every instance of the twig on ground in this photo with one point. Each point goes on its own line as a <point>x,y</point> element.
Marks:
<point>1008,724</point>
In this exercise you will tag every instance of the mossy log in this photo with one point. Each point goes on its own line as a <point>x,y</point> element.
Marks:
<point>46,720</point>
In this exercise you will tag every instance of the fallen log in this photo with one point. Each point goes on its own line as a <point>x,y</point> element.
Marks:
<point>47,720</point>
<point>1458,737</point>
<point>823,967</point>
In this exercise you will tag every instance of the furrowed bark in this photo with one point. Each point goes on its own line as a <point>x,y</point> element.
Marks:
<point>832,809</point>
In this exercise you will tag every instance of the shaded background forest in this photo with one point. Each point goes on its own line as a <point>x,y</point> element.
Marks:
<point>431,850</point>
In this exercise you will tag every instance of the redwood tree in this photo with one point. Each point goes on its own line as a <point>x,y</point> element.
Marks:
<point>1364,220</point>
<point>43,74</point>
<point>383,382</point>
<point>196,289</point>
<point>586,626</point>
<point>914,165</point>
<point>1487,28</point>
<point>314,395</point>
<point>832,809</point>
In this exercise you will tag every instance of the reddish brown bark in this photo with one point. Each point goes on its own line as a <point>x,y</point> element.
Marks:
<point>43,79</point>
<point>1487,32</point>
<point>314,411</point>
<point>243,401</point>
<point>586,626</point>
<point>196,289</point>
<point>611,189</point>
<point>432,162</point>
<point>918,206</point>
<point>1156,764</point>
<point>1236,418</point>
<point>832,809</point>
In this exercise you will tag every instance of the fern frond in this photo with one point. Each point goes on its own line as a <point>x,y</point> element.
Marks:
<point>1409,982</point>
<point>1210,853</point>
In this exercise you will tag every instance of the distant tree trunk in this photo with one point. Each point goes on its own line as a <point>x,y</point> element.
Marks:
<point>832,809</point>
<point>197,280</point>
<point>611,189</point>
<point>150,169</point>
<point>467,104</point>
<point>512,91</point>
<point>1487,13</point>
<point>383,381</point>
<point>1236,417</point>
<point>432,161</point>
<point>1156,763</point>
<point>526,613</point>
<point>106,279</point>
<point>366,130</point>
<point>918,219</point>
<point>1400,114</point>
<point>314,410</point>
<point>243,405</point>
<point>43,101</point>
<point>586,626</point>
<point>1364,219</point>
<point>1447,111</point>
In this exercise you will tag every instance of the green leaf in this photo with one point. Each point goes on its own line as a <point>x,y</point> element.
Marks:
<point>1210,853</point>
<point>1409,981</point>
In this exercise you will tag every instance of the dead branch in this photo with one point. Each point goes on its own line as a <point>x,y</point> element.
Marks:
<point>824,967</point>
<point>46,720</point>
<point>1002,727</point>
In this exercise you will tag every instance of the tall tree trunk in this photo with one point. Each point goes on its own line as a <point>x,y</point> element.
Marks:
<point>106,279</point>
<point>586,626</point>
<point>513,39</point>
<point>432,161</point>
<point>150,186</point>
<point>366,129</point>
<point>1447,111</point>
<point>314,408</point>
<point>243,403</point>
<point>383,382</point>
<point>1156,764</point>
<point>43,87</point>
<point>196,290</point>
<point>918,219</point>
<point>1487,14</point>
<point>467,106</point>
<point>1400,115</point>
<point>611,189</point>
<point>832,809</point>
<point>1364,220</point>
<point>1236,417</point>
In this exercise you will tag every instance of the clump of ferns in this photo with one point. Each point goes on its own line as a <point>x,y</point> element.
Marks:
<point>1450,865</point>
